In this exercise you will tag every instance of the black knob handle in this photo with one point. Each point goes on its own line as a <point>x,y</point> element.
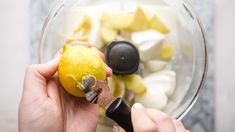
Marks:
<point>121,114</point>
<point>122,57</point>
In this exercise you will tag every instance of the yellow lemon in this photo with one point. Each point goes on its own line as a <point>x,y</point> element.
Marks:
<point>77,62</point>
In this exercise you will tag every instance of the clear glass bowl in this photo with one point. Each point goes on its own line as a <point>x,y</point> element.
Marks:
<point>189,63</point>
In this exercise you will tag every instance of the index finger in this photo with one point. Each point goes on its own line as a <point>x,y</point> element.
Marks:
<point>141,120</point>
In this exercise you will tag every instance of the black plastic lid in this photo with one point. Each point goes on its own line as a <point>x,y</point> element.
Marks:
<point>122,57</point>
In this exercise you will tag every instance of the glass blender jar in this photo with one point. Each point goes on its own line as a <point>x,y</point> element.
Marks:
<point>172,47</point>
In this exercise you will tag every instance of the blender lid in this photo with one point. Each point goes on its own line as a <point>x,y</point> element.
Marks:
<point>122,57</point>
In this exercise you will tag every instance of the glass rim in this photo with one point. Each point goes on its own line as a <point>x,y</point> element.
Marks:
<point>186,4</point>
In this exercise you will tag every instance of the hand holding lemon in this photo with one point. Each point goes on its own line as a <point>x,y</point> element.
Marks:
<point>45,106</point>
<point>76,62</point>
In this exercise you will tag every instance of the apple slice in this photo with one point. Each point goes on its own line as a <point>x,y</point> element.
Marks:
<point>131,22</point>
<point>108,34</point>
<point>142,37</point>
<point>101,111</point>
<point>167,51</point>
<point>155,65</point>
<point>152,98</point>
<point>164,81</point>
<point>94,35</point>
<point>168,16</point>
<point>149,43</point>
<point>156,24</point>
<point>134,83</point>
<point>118,20</point>
<point>117,86</point>
<point>138,21</point>
<point>79,38</point>
<point>84,26</point>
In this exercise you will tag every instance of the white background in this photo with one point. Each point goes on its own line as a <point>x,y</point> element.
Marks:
<point>14,57</point>
<point>225,65</point>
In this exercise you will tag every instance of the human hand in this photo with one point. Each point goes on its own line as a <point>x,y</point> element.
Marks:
<point>46,107</point>
<point>152,120</point>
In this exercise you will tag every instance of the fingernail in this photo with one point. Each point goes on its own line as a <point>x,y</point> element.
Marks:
<point>138,106</point>
<point>108,68</point>
<point>55,60</point>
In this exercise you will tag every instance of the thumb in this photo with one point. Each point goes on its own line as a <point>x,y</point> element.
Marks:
<point>36,77</point>
<point>44,70</point>
<point>141,120</point>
